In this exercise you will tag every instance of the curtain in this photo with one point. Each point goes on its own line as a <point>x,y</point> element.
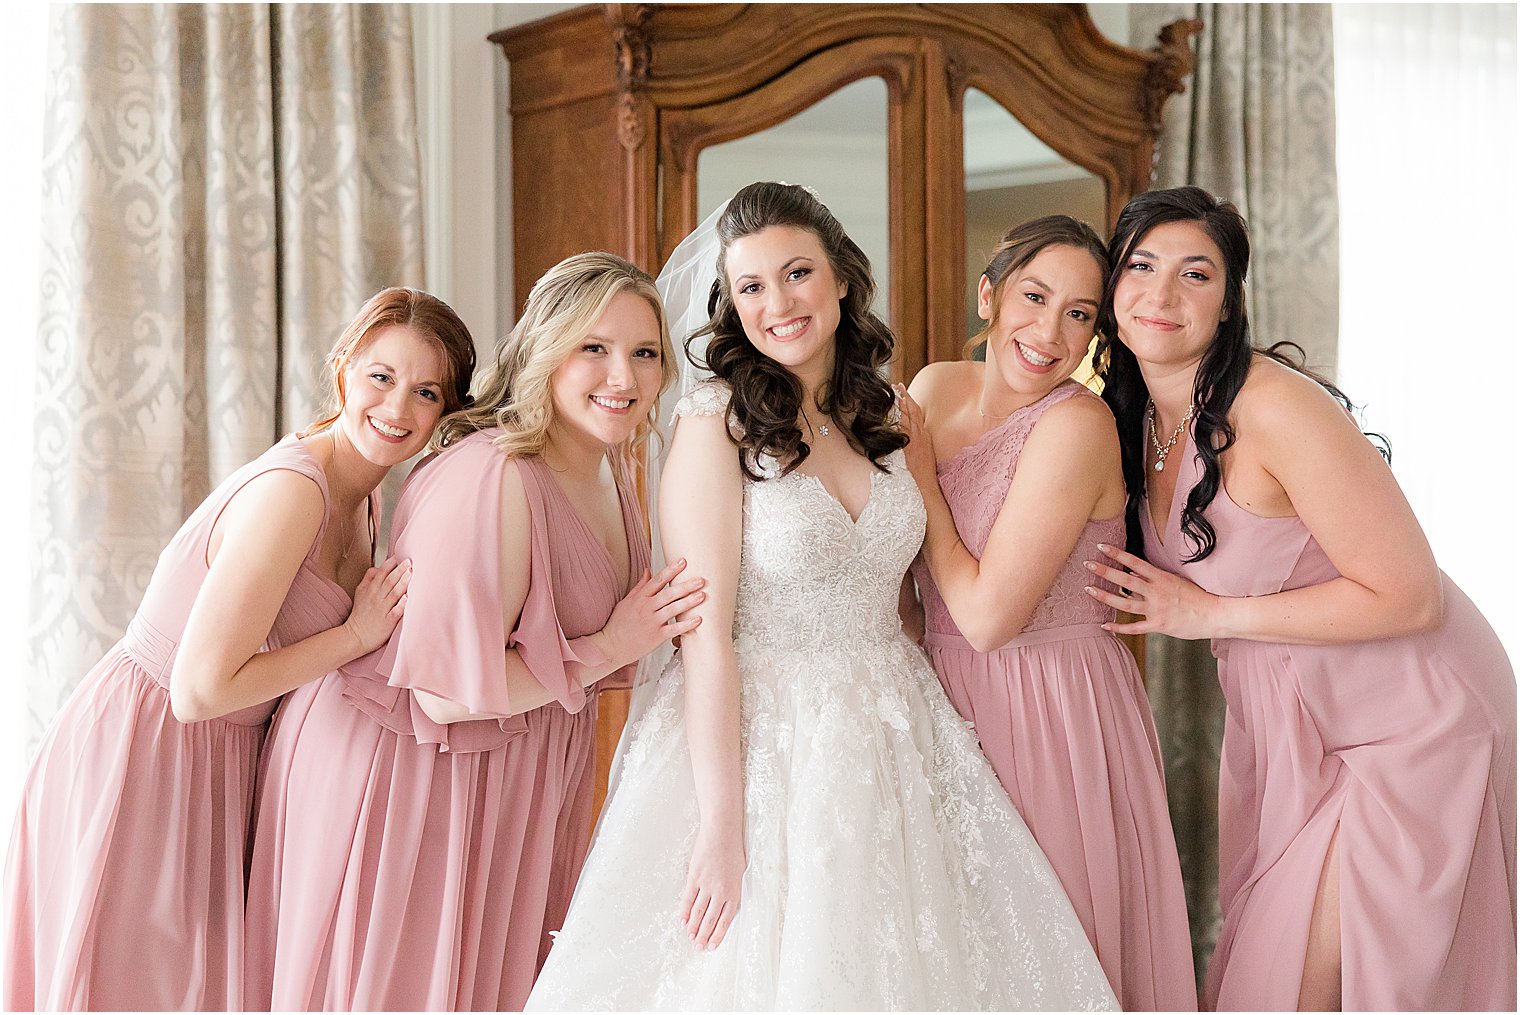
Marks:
<point>1256,125</point>
<point>223,186</point>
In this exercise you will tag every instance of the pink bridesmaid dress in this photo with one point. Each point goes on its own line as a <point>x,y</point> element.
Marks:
<point>1406,746</point>
<point>1062,716</point>
<point>124,887</point>
<point>404,864</point>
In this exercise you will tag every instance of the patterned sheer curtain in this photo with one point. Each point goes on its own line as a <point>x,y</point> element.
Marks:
<point>1257,126</point>
<point>223,185</point>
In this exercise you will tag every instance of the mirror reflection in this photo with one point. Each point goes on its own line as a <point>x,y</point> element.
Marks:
<point>1011,177</point>
<point>837,146</point>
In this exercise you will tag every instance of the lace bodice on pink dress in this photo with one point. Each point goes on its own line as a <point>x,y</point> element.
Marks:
<point>975,483</point>
<point>1062,716</point>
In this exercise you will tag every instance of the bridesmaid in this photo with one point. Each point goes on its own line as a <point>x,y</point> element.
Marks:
<point>124,887</point>
<point>1367,785</point>
<point>1027,484</point>
<point>423,814</point>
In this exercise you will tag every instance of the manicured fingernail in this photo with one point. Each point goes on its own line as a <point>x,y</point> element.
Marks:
<point>1104,547</point>
<point>1088,589</point>
<point>1089,565</point>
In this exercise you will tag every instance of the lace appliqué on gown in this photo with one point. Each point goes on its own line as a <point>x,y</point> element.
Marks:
<point>887,868</point>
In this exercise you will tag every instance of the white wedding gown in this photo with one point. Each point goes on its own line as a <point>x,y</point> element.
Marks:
<point>887,868</point>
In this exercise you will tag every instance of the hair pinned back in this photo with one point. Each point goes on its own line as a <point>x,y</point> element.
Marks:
<point>1022,244</point>
<point>425,314</point>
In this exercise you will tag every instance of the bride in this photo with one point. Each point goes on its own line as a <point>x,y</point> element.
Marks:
<point>801,820</point>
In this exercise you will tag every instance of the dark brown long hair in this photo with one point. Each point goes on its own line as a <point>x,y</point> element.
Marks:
<point>1221,374</point>
<point>767,397</point>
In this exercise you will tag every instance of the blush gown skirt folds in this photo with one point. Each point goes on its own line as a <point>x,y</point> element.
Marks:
<point>124,886</point>
<point>400,864</point>
<point>887,869</point>
<point>1400,751</point>
<point>1063,717</point>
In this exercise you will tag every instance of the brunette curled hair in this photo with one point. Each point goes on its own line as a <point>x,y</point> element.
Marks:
<point>1221,373</point>
<point>767,397</point>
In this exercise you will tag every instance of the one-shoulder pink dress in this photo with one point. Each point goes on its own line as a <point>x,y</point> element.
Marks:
<point>400,864</point>
<point>124,887</point>
<point>1061,713</point>
<point>1406,745</point>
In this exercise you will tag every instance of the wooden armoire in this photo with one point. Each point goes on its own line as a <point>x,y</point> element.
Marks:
<point>612,104</point>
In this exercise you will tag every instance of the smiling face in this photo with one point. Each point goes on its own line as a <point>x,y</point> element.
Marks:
<point>611,380</point>
<point>1045,318</point>
<point>393,395</point>
<point>1169,300</point>
<point>787,297</point>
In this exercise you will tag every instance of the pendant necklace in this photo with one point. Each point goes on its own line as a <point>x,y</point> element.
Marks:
<point>1162,450</point>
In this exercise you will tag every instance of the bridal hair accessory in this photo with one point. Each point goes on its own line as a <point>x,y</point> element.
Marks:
<point>686,286</point>
<point>816,196</point>
<point>1163,450</point>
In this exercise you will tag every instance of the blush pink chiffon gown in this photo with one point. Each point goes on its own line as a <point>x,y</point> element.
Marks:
<point>124,887</point>
<point>1061,713</point>
<point>1406,746</point>
<point>400,864</point>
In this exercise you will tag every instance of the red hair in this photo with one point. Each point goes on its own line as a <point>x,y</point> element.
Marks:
<point>409,308</point>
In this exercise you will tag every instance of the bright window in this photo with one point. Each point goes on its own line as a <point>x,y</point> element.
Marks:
<point>1426,150</point>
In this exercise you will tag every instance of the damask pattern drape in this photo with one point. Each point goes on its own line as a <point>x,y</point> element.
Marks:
<point>1257,126</point>
<point>223,185</point>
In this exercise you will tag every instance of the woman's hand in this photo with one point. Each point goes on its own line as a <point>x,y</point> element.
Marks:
<point>713,884</point>
<point>1167,604</point>
<point>654,611</point>
<point>379,602</point>
<point>920,450</point>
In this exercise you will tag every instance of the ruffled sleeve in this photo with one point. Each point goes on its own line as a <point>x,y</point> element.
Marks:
<point>452,640</point>
<point>538,637</point>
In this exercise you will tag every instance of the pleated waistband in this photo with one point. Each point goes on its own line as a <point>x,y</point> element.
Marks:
<point>154,653</point>
<point>1073,632</point>
<point>151,649</point>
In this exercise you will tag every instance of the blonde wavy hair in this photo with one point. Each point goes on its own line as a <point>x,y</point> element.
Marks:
<point>564,305</point>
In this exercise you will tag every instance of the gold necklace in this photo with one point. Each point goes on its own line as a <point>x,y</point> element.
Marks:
<point>345,532</point>
<point>1163,450</point>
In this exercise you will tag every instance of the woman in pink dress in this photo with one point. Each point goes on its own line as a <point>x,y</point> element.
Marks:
<point>1367,784</point>
<point>125,883</point>
<point>423,814</point>
<point>1027,484</point>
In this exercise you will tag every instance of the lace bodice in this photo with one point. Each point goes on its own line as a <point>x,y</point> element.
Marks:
<point>887,868</point>
<point>975,483</point>
<point>807,573</point>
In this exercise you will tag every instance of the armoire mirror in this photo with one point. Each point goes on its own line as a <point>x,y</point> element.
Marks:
<point>837,146</point>
<point>621,114</point>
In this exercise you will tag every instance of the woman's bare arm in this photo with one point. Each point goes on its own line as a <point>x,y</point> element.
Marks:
<point>259,542</point>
